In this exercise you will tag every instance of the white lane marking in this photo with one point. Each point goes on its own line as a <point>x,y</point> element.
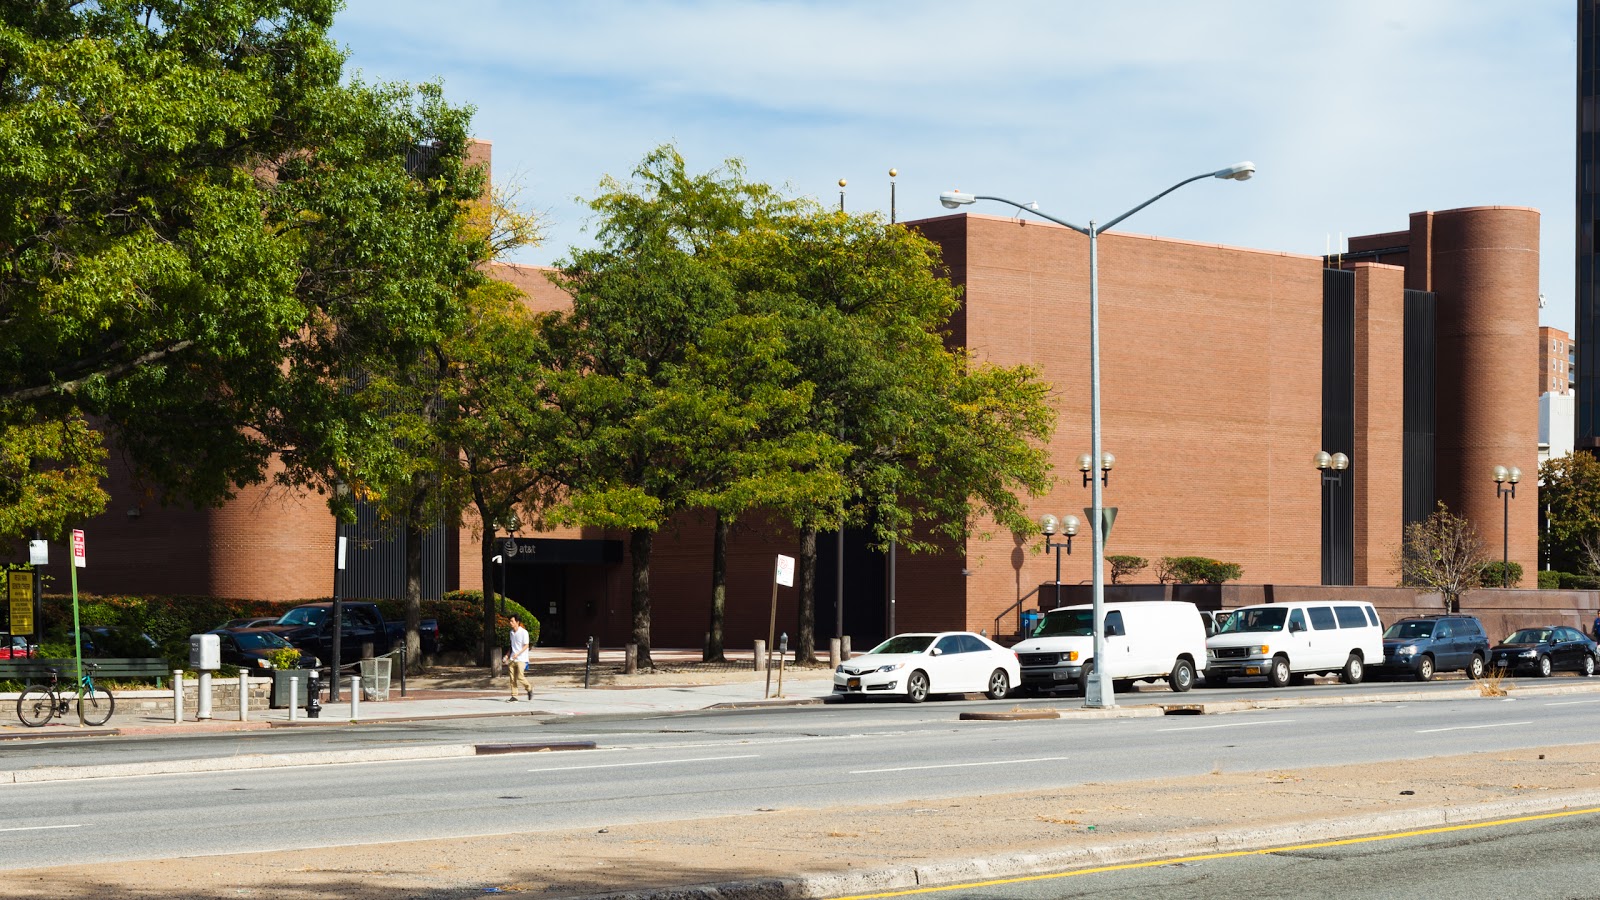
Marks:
<point>655,762</point>
<point>1470,727</point>
<point>997,762</point>
<point>1227,725</point>
<point>1571,702</point>
<point>43,827</point>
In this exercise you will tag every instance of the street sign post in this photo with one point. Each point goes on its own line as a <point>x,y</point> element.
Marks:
<point>782,573</point>
<point>80,560</point>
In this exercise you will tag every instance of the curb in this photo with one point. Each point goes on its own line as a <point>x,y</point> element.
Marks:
<point>934,874</point>
<point>1013,716</point>
<point>236,763</point>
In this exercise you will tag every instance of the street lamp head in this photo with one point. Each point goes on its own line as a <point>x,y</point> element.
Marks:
<point>1323,459</point>
<point>1340,462</point>
<point>1236,172</point>
<point>1047,524</point>
<point>1069,526</point>
<point>1107,461</point>
<point>1085,463</point>
<point>1501,474</point>
<point>954,199</point>
<point>1516,474</point>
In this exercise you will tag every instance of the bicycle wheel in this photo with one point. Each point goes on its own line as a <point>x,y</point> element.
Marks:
<point>96,706</point>
<point>36,707</point>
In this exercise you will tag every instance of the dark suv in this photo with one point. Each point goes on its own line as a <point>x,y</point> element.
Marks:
<point>1423,645</point>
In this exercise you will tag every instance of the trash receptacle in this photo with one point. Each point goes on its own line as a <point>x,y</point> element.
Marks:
<point>375,678</point>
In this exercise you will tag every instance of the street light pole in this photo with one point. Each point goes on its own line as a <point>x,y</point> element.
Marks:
<point>1100,692</point>
<point>1069,527</point>
<point>1332,466</point>
<point>1505,488</point>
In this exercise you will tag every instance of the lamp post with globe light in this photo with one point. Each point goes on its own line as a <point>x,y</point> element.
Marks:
<point>1097,693</point>
<point>1505,488</point>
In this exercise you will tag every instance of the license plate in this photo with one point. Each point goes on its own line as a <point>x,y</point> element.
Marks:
<point>1252,670</point>
<point>853,682</point>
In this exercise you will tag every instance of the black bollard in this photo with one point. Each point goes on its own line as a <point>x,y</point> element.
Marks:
<point>588,658</point>
<point>313,694</point>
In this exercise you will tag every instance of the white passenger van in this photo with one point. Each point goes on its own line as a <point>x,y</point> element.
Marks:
<point>1143,639</point>
<point>1291,640</point>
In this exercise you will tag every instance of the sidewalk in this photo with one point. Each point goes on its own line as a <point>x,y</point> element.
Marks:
<point>679,684</point>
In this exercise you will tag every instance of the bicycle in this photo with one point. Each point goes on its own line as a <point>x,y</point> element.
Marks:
<point>41,703</point>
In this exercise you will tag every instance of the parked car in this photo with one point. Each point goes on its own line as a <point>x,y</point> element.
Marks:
<point>1544,650</point>
<point>249,648</point>
<point>252,622</point>
<point>1422,645</point>
<point>310,627</point>
<point>1148,639</point>
<point>1285,640</point>
<point>15,647</point>
<point>116,641</point>
<point>917,665</point>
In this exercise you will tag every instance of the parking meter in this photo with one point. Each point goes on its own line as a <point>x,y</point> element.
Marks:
<point>783,642</point>
<point>205,652</point>
<point>313,694</point>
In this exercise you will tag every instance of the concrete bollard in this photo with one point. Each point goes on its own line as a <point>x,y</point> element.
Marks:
<point>844,649</point>
<point>630,660</point>
<point>244,695</point>
<point>355,698</point>
<point>833,653</point>
<point>177,696</point>
<point>202,710</point>
<point>294,697</point>
<point>761,656</point>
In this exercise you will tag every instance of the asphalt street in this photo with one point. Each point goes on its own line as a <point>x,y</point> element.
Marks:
<point>689,765</point>
<point>1547,857</point>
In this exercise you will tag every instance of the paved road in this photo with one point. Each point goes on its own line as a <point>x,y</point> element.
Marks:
<point>701,764</point>
<point>1549,857</point>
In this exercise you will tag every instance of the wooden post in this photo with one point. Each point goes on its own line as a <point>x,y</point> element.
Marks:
<point>772,627</point>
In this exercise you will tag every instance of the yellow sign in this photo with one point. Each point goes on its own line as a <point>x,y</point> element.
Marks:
<point>21,591</point>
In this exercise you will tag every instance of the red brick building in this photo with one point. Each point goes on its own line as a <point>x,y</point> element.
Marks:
<point>1224,371</point>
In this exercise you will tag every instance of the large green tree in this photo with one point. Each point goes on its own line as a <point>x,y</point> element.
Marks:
<point>1569,493</point>
<point>206,234</point>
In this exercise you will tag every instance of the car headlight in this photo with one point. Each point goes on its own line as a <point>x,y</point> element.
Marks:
<point>263,663</point>
<point>1407,650</point>
<point>1070,656</point>
<point>1266,650</point>
<point>891,667</point>
<point>840,670</point>
<point>1528,654</point>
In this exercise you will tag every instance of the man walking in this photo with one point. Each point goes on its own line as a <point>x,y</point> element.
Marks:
<point>518,660</point>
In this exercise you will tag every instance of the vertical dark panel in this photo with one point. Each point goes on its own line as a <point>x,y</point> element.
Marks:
<point>1421,395</point>
<point>1339,423</point>
<point>1587,130</point>
<point>865,570</point>
<point>375,559</point>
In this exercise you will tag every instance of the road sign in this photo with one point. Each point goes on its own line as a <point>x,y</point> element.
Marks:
<point>39,553</point>
<point>21,593</point>
<point>79,557</point>
<point>785,570</point>
<point>1108,515</point>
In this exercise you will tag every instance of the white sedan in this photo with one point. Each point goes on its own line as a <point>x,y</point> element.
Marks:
<point>916,665</point>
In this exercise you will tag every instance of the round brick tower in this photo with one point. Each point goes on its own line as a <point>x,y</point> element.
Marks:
<point>1484,265</point>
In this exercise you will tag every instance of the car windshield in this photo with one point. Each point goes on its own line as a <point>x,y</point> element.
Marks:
<point>905,643</point>
<point>1529,636</point>
<point>1071,622</point>
<point>1409,631</point>
<point>309,615</point>
<point>259,640</point>
<point>1242,621</point>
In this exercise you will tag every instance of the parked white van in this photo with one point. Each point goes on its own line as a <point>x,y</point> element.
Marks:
<point>1283,641</point>
<point>1143,639</point>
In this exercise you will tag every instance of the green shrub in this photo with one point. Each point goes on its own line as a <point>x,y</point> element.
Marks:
<point>460,616</point>
<point>1548,580</point>
<point>1573,582</point>
<point>1492,573</point>
<point>1196,570</point>
<point>1126,567</point>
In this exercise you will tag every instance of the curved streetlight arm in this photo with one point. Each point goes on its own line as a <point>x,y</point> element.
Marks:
<point>1043,215</point>
<point>1112,224</point>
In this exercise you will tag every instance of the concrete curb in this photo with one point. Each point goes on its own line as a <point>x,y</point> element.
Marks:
<point>235,763</point>
<point>838,884</point>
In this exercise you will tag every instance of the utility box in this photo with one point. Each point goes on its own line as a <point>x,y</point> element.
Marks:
<point>205,652</point>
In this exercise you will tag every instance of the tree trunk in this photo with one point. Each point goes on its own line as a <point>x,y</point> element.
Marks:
<point>805,649</point>
<point>719,590</point>
<point>639,544</point>
<point>491,643</point>
<point>415,530</point>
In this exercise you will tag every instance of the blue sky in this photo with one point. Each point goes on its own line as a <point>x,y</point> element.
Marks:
<point>1356,113</point>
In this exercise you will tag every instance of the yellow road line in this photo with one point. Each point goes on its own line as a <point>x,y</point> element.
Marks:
<point>1148,864</point>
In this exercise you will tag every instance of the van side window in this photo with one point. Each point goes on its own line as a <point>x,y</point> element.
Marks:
<point>1114,623</point>
<point>1350,617</point>
<point>1297,621</point>
<point>1321,618</point>
<point>1372,616</point>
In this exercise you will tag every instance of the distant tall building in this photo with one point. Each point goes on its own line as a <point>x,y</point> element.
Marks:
<point>1557,360</point>
<point>1587,329</point>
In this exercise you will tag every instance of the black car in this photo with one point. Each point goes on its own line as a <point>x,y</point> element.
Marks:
<point>250,648</point>
<point>1544,650</point>
<point>1422,645</point>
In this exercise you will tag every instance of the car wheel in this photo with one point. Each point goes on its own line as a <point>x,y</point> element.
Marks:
<point>1425,669</point>
<point>999,685</point>
<point>1544,667</point>
<point>1278,673</point>
<point>1182,677</point>
<point>1588,666</point>
<point>917,686</point>
<point>1353,670</point>
<point>1215,679</point>
<point>1475,669</point>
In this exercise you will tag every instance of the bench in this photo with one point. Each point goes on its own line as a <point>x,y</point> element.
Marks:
<point>141,668</point>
